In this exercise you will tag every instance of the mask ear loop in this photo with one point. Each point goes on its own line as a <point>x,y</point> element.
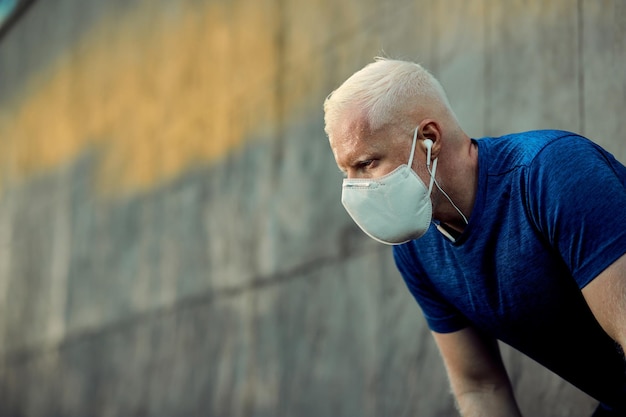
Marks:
<point>433,181</point>
<point>413,148</point>
<point>432,173</point>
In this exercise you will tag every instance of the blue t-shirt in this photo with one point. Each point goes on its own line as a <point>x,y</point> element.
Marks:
<point>549,216</point>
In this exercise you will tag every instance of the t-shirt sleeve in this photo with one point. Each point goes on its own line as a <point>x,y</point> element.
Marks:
<point>576,197</point>
<point>440,315</point>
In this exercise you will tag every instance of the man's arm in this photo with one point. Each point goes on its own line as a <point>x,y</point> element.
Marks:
<point>606,297</point>
<point>477,375</point>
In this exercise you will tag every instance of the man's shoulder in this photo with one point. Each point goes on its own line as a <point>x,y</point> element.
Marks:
<point>503,153</point>
<point>545,134</point>
<point>532,139</point>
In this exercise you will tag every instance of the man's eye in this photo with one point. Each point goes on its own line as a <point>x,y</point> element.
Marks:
<point>365,164</point>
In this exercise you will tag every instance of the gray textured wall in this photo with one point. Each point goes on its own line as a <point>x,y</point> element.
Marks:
<point>171,237</point>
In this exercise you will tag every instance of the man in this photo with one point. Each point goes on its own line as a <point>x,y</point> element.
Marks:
<point>520,238</point>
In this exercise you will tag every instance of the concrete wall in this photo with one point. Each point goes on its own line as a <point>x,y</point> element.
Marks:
<point>171,237</point>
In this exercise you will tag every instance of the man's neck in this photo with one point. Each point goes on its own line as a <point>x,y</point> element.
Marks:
<point>460,179</point>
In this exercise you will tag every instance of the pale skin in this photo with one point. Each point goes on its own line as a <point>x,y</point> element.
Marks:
<point>477,375</point>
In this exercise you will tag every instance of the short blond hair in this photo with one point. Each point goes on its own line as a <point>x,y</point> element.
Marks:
<point>385,91</point>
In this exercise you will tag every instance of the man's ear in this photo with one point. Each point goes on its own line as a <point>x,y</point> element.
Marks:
<point>431,130</point>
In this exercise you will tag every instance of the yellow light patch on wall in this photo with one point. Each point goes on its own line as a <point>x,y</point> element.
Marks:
<point>155,90</point>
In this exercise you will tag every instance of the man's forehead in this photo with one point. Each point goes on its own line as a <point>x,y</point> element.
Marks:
<point>347,134</point>
<point>349,131</point>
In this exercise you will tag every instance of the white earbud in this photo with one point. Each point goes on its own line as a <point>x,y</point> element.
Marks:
<point>429,144</point>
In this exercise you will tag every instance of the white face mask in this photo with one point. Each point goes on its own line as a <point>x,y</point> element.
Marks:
<point>392,209</point>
